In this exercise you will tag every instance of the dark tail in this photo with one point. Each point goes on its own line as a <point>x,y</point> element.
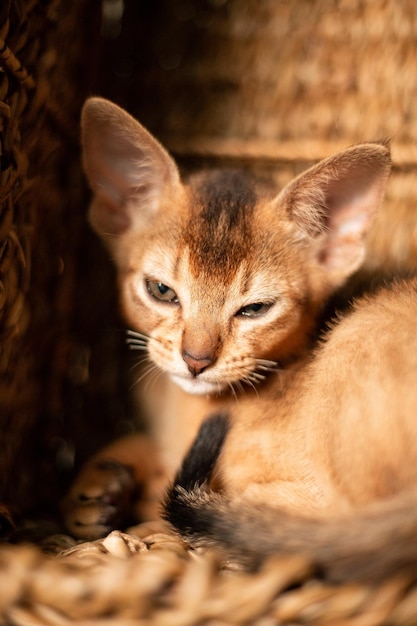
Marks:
<point>372,544</point>
<point>191,481</point>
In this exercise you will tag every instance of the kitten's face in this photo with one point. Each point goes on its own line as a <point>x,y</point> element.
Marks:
<point>222,289</point>
<point>223,284</point>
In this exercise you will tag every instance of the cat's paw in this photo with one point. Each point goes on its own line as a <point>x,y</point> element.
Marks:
<point>100,500</point>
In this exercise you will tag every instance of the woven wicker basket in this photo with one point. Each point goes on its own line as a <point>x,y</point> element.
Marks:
<point>56,280</point>
<point>271,84</point>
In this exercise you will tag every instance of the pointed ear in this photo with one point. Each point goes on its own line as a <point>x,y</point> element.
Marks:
<point>128,170</point>
<point>335,201</point>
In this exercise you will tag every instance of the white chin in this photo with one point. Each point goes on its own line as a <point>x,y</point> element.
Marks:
<point>195,386</point>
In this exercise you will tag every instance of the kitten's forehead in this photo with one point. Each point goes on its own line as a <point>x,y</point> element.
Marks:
<point>219,232</point>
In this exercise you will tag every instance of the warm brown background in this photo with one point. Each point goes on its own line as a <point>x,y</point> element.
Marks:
<point>271,83</point>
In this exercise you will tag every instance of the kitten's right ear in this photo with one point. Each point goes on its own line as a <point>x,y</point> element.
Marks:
<point>128,170</point>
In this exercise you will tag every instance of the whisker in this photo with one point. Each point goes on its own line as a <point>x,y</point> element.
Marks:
<point>266,362</point>
<point>154,374</point>
<point>146,372</point>
<point>237,386</point>
<point>267,368</point>
<point>137,335</point>
<point>233,390</point>
<point>256,377</point>
<point>139,362</point>
<point>136,341</point>
<point>133,335</point>
<point>250,382</point>
<point>137,346</point>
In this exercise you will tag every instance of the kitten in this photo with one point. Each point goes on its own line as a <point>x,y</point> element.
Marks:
<point>222,283</point>
<point>329,465</point>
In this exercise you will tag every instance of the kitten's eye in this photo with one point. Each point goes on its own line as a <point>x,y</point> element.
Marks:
<point>254,310</point>
<point>161,292</point>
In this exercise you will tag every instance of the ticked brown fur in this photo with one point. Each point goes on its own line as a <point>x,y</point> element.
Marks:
<point>222,282</point>
<point>325,467</point>
<point>344,431</point>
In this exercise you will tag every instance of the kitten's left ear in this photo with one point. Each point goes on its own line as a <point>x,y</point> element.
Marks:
<point>128,170</point>
<point>334,203</point>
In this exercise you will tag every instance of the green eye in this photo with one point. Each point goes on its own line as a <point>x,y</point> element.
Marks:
<point>161,292</point>
<point>257,309</point>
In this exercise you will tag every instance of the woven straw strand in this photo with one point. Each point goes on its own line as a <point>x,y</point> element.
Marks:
<point>12,63</point>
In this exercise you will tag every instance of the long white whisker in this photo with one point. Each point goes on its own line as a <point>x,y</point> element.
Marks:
<point>256,377</point>
<point>233,390</point>
<point>236,385</point>
<point>249,382</point>
<point>146,372</point>
<point>135,337</point>
<point>266,366</point>
<point>262,366</point>
<point>136,334</point>
<point>138,340</point>
<point>154,374</point>
<point>138,362</point>
<point>266,362</point>
<point>137,346</point>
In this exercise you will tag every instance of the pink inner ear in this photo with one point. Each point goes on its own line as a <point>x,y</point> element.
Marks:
<point>118,167</point>
<point>128,170</point>
<point>343,254</point>
<point>352,205</point>
<point>350,216</point>
<point>107,218</point>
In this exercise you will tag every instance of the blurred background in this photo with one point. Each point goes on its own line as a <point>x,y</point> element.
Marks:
<point>270,84</point>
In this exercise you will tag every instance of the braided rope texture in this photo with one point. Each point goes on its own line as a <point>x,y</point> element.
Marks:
<point>148,576</point>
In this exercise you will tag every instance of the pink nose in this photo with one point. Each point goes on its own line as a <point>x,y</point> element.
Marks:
<point>196,363</point>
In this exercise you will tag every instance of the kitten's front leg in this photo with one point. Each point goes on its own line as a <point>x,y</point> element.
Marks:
<point>122,484</point>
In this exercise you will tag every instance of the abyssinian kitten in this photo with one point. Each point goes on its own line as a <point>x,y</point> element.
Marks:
<point>222,282</point>
<point>325,467</point>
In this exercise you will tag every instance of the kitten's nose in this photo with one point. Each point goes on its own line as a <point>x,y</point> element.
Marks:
<point>196,363</point>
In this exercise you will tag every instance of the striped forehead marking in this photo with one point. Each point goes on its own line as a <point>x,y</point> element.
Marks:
<point>219,233</point>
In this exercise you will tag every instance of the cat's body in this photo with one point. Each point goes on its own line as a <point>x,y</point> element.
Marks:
<point>330,462</point>
<point>221,281</point>
<point>344,431</point>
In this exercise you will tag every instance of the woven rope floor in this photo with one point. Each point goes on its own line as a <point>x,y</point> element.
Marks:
<point>149,577</point>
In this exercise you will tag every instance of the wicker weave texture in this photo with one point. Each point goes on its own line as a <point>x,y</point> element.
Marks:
<point>288,71</point>
<point>277,86</point>
<point>57,296</point>
<point>149,577</point>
